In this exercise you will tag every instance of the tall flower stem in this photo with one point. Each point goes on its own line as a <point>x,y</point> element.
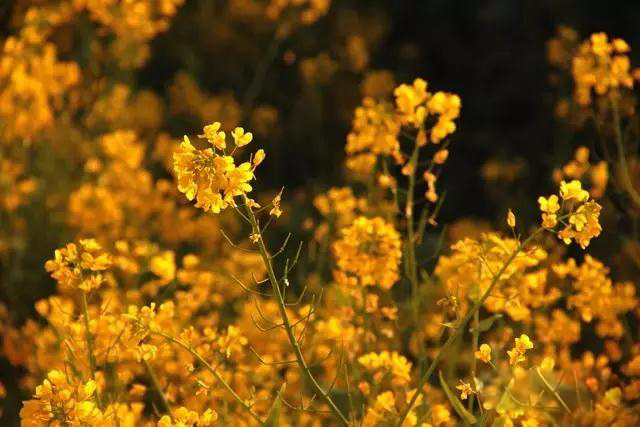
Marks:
<point>90,346</point>
<point>156,384</point>
<point>211,369</point>
<point>300,360</point>
<point>410,245</point>
<point>622,161</point>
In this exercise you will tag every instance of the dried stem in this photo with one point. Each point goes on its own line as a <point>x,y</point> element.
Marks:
<point>302,364</point>
<point>211,369</point>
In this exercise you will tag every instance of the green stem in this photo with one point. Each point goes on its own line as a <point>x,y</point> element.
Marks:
<point>474,362</point>
<point>412,269</point>
<point>156,384</point>
<point>90,347</point>
<point>257,81</point>
<point>622,162</point>
<point>210,368</point>
<point>552,391</point>
<point>302,364</point>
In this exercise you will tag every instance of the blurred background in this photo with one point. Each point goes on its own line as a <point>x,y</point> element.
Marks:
<point>296,87</point>
<point>492,53</point>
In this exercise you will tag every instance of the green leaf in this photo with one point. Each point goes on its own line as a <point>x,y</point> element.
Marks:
<point>455,402</point>
<point>503,405</point>
<point>486,324</point>
<point>273,419</point>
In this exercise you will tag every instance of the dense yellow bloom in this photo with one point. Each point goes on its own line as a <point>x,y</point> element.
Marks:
<point>186,418</point>
<point>137,20</point>
<point>368,253</point>
<point>33,82</point>
<point>57,401</point>
<point>79,267</point>
<point>596,296</point>
<point>374,132</point>
<point>212,178</point>
<point>339,204</point>
<point>377,124</point>
<point>410,101</point>
<point>392,362</point>
<point>600,65</point>
<point>308,11</point>
<point>582,214</point>
<point>469,270</point>
<point>447,107</point>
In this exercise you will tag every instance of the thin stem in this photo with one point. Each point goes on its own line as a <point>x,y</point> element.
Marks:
<point>412,269</point>
<point>302,364</point>
<point>622,162</point>
<point>474,361</point>
<point>257,81</point>
<point>459,330</point>
<point>156,384</point>
<point>552,390</point>
<point>90,347</point>
<point>210,368</point>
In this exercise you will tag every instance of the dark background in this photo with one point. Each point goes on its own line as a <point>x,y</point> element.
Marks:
<point>492,53</point>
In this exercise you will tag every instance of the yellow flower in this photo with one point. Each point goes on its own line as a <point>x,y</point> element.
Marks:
<point>549,205</point>
<point>524,343</point>
<point>393,362</point>
<point>240,137</point>
<point>275,210</point>
<point>212,178</point>
<point>163,265</point>
<point>547,364</point>
<point>441,156</point>
<point>258,158</point>
<point>600,65</point>
<point>216,137</point>
<point>484,353</point>
<point>573,190</point>
<point>386,401</point>
<point>465,390</point>
<point>516,355</point>
<point>440,415</point>
<point>78,268</point>
<point>368,253</point>
<point>511,219</point>
<point>613,396</point>
<point>409,101</point>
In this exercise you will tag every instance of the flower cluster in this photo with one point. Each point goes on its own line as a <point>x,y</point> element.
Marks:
<point>578,214</point>
<point>387,362</point>
<point>600,65</point>
<point>211,176</point>
<point>579,168</point>
<point>377,125</point>
<point>368,253</point>
<point>60,402</point>
<point>516,355</point>
<point>79,266</point>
